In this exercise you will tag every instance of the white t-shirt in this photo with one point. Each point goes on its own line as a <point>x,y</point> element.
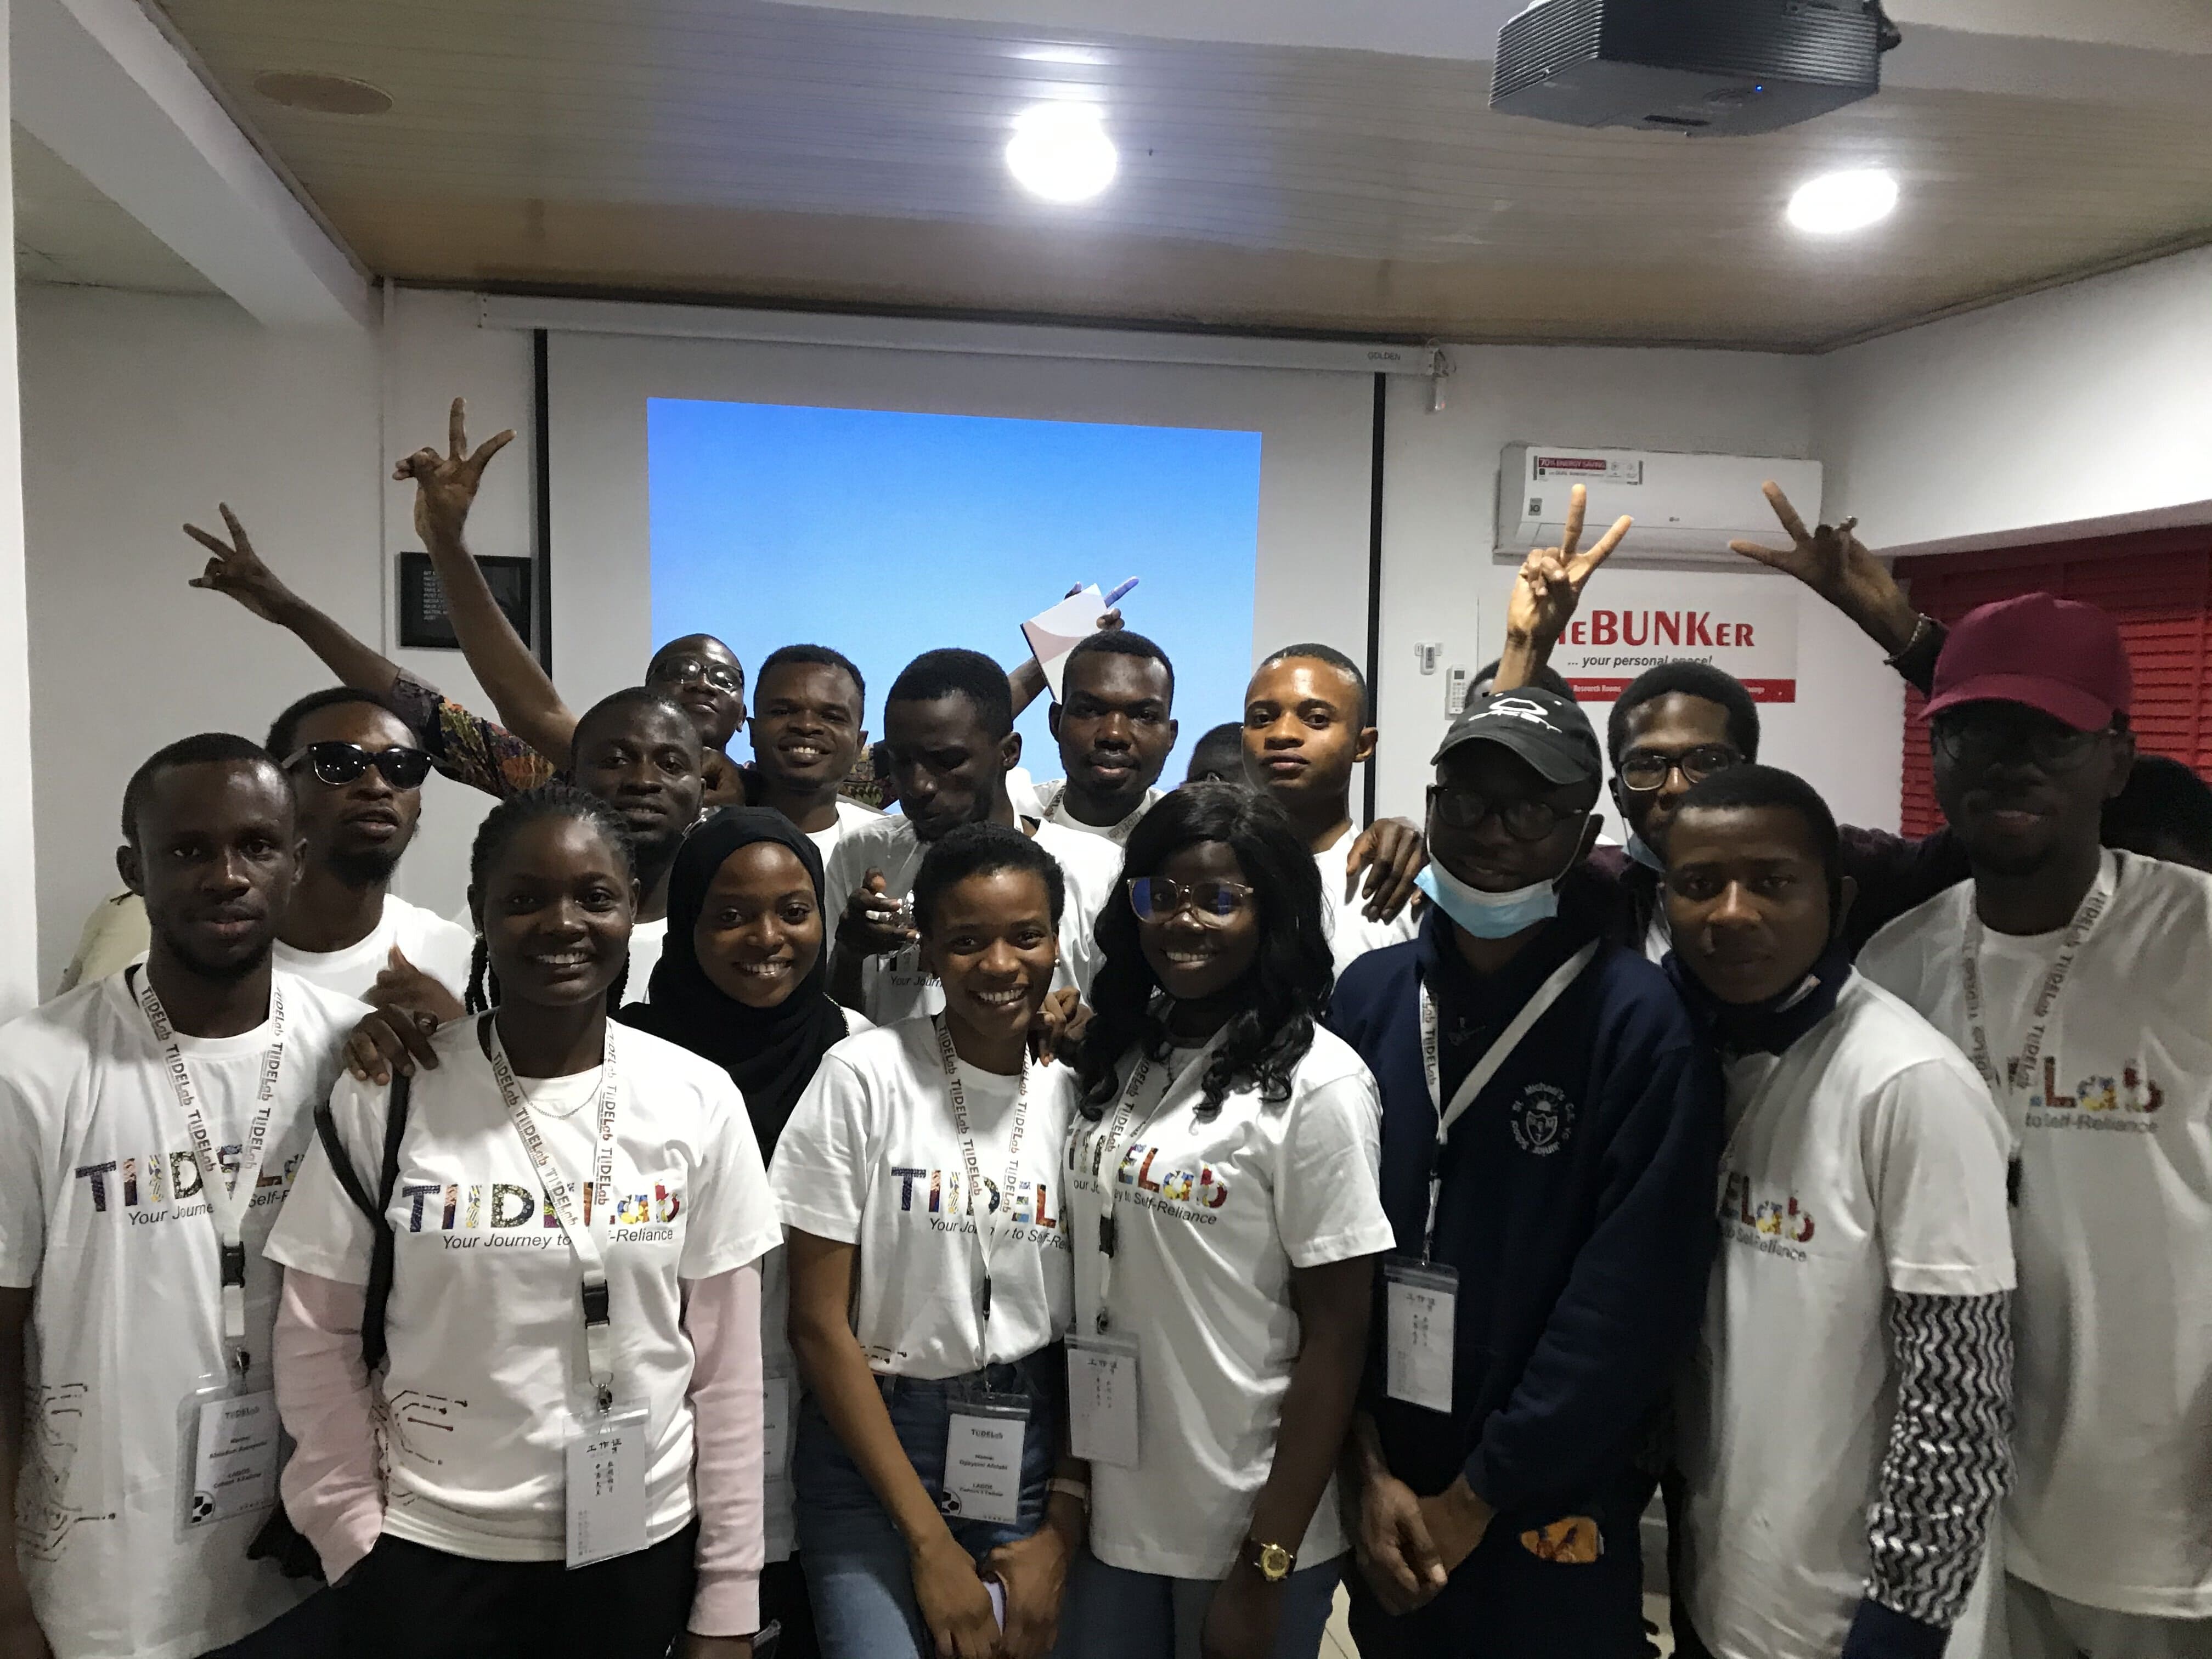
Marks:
<point>871,1158</point>
<point>1214,1214</point>
<point>896,987</point>
<point>646,941</point>
<point>435,945</point>
<point>1351,934</point>
<point>2112,1326</point>
<point>487,1339</point>
<point>1052,808</point>
<point>125,1319</point>
<point>1866,1159</point>
<point>850,812</point>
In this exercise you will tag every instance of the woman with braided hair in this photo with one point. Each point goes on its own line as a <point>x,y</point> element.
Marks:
<point>572,1379</point>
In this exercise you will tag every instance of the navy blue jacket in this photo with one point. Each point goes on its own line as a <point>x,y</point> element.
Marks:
<point>1577,1206</point>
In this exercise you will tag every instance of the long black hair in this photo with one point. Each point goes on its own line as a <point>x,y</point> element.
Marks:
<point>1288,985</point>
<point>552,800</point>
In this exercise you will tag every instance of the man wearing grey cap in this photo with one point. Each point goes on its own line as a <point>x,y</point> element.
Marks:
<point>1551,1128</point>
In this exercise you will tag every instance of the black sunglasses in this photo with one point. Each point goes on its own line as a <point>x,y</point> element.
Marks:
<point>338,763</point>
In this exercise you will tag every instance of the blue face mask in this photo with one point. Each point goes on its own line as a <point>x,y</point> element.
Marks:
<point>1639,852</point>
<point>1489,915</point>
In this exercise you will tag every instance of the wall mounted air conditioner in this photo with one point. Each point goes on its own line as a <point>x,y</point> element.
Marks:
<point>1687,507</point>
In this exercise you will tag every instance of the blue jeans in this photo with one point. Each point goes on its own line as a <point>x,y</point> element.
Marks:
<point>1114,1615</point>
<point>857,1571</point>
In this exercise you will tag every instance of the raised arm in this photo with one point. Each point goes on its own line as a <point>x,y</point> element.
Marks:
<point>235,569</point>
<point>445,489</point>
<point>1545,594</point>
<point>1027,683</point>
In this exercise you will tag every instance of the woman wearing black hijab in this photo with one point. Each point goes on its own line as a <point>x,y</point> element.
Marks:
<point>742,983</point>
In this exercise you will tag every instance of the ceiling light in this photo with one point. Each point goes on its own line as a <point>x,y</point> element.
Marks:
<point>1837,202</point>
<point>1061,152</point>
<point>1063,54</point>
<point>326,94</point>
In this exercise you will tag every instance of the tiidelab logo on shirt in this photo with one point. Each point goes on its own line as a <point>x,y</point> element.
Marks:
<point>2125,1103</point>
<point>936,1198</point>
<point>502,1214</point>
<point>1775,1225</point>
<point>160,1186</point>
<point>1192,1192</point>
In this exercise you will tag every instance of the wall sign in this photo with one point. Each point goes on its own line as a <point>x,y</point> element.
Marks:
<point>1632,620</point>
<point>423,623</point>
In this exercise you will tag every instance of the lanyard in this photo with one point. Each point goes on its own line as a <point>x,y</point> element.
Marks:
<point>227,1201</point>
<point>2022,1069</point>
<point>1485,1069</point>
<point>575,1219</point>
<point>989,1221</point>
<point>1106,1160</point>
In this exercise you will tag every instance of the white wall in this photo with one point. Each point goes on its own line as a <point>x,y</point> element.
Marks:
<point>2063,409</point>
<point>19,982</point>
<point>142,411</point>
<point>1439,521</point>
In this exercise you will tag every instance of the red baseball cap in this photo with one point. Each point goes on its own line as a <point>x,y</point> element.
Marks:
<point>2052,654</point>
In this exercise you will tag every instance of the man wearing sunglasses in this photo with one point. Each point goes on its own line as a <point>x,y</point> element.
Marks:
<point>1681,722</point>
<point>1551,1124</point>
<point>356,780</point>
<point>2079,981</point>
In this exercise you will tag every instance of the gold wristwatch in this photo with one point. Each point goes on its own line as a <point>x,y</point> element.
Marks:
<point>1274,1561</point>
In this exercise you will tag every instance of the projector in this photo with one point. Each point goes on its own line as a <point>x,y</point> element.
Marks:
<point>1706,68</point>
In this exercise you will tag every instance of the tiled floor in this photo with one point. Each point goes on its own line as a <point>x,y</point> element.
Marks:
<point>1337,1644</point>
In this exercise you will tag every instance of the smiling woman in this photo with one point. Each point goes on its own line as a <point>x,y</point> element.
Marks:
<point>625,1166</point>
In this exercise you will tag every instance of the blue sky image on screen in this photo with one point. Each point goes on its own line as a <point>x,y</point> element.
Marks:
<point>885,534</point>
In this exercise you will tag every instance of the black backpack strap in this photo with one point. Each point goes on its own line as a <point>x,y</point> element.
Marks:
<point>326,1131</point>
<point>379,1292</point>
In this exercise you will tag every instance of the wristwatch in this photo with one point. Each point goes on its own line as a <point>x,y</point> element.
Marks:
<point>1273,1561</point>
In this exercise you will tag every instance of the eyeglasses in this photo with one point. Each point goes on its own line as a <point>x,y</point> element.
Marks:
<point>1524,819</point>
<point>680,669</point>
<point>338,763</point>
<point>1646,770</point>
<point>1155,898</point>
<point>1976,739</point>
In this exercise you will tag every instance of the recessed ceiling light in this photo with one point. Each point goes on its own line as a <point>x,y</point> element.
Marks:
<point>1061,152</point>
<point>1837,202</point>
<point>326,94</point>
<point>1056,53</point>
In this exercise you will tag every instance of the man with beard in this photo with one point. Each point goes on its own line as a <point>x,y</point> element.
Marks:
<point>949,722</point>
<point>2079,981</point>
<point>357,786</point>
<point>155,1119</point>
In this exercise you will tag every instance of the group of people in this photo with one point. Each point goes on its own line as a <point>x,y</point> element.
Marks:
<point>1072,1218</point>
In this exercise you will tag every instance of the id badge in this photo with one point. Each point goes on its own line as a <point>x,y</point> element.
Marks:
<point>1101,1400</point>
<point>902,988</point>
<point>983,1458</point>
<point>1422,1303</point>
<point>231,1445</point>
<point>607,1452</point>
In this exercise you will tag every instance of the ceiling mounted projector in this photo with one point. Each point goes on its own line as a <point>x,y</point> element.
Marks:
<point>1706,68</point>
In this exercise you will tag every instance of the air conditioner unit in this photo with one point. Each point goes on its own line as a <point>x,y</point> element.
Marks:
<point>1687,507</point>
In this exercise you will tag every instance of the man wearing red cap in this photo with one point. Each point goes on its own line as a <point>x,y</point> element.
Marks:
<point>2079,981</point>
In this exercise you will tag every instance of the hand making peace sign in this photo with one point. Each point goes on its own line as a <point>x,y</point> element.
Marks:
<point>446,485</point>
